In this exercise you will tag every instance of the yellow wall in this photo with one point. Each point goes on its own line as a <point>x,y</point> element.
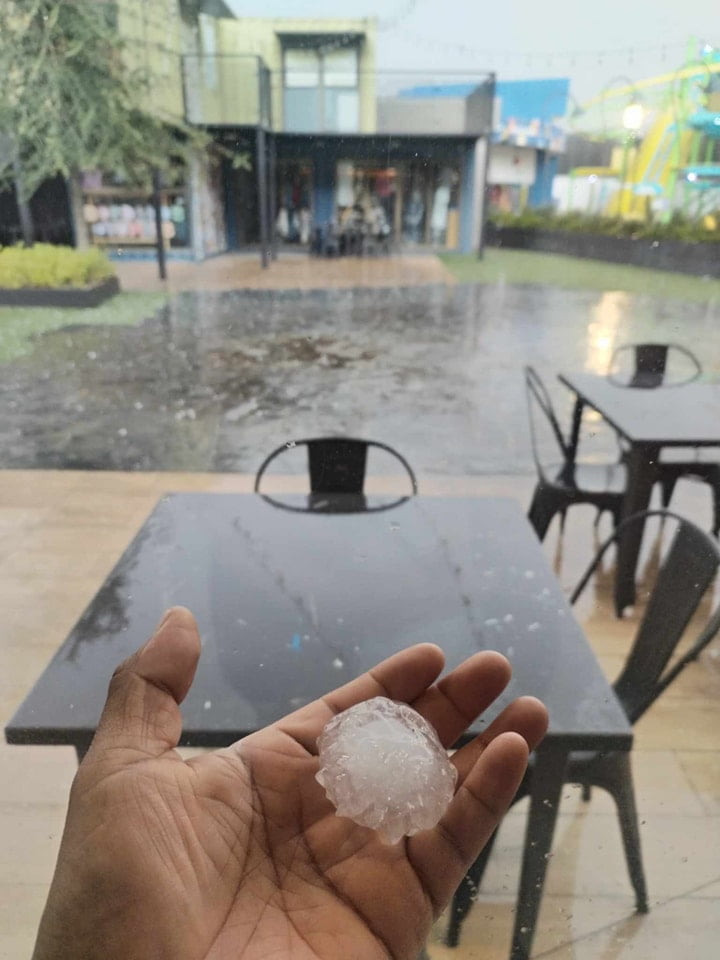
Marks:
<point>231,96</point>
<point>221,62</point>
<point>153,31</point>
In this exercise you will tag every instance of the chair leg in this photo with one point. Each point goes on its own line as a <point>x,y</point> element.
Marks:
<point>543,508</point>
<point>466,894</point>
<point>716,506</point>
<point>624,795</point>
<point>586,794</point>
<point>667,485</point>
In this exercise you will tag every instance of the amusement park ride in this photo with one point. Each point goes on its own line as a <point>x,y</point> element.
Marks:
<point>668,135</point>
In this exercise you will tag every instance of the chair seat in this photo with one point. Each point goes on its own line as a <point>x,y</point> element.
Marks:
<point>593,477</point>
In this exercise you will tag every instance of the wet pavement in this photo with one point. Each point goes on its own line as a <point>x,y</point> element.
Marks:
<point>214,381</point>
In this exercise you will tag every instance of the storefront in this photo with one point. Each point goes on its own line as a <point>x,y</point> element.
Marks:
<point>413,196</point>
<point>402,191</point>
<point>117,215</point>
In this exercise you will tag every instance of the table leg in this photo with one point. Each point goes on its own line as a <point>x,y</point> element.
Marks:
<point>574,439</point>
<point>546,788</point>
<point>641,475</point>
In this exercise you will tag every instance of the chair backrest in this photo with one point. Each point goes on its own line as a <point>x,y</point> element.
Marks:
<point>687,570</point>
<point>336,465</point>
<point>650,365</point>
<point>539,402</point>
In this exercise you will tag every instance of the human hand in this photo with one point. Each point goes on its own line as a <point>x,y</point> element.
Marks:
<point>238,853</point>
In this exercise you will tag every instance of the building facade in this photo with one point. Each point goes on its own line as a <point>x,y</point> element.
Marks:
<point>328,138</point>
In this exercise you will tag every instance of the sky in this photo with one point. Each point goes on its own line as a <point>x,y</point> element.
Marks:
<point>592,43</point>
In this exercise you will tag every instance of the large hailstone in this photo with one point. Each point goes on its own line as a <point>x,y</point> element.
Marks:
<point>383,766</point>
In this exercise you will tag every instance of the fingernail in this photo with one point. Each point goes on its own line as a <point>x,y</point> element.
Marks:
<point>166,616</point>
<point>158,628</point>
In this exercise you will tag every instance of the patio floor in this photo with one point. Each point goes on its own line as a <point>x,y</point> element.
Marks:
<point>60,534</point>
<point>291,270</point>
<point>212,380</point>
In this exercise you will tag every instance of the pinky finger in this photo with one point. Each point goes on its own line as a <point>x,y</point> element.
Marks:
<point>442,856</point>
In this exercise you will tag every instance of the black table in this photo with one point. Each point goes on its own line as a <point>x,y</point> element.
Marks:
<point>679,416</point>
<point>293,604</point>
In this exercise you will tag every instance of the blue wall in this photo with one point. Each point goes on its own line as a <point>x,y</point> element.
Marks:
<point>540,194</point>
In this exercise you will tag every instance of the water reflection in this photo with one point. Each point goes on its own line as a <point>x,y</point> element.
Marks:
<point>602,332</point>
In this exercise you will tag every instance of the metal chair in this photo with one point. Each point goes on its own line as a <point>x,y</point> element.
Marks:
<point>689,567</point>
<point>566,483</point>
<point>336,466</point>
<point>650,372</point>
<point>650,365</point>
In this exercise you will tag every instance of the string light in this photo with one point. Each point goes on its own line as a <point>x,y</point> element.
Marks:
<point>573,57</point>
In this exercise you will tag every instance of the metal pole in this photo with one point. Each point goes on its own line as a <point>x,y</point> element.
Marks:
<point>272,194</point>
<point>159,241</point>
<point>261,164</point>
<point>486,166</point>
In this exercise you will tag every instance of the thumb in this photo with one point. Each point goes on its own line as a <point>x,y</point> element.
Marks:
<point>142,713</point>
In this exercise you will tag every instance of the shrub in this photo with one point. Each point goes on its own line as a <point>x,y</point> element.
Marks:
<point>44,265</point>
<point>679,228</point>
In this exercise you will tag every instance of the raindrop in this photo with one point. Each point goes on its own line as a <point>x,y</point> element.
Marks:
<point>290,444</point>
<point>394,527</point>
<point>533,627</point>
<point>122,432</point>
<point>91,355</point>
<point>338,663</point>
<point>529,574</point>
<point>508,618</point>
<point>491,622</point>
<point>138,405</point>
<point>207,704</point>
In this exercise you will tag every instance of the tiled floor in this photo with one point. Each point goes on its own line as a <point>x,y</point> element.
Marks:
<point>297,271</point>
<point>60,532</point>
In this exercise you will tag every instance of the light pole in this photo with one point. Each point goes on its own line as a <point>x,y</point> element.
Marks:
<point>633,118</point>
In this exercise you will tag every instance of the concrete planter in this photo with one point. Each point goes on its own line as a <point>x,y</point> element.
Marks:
<point>60,296</point>
<point>696,259</point>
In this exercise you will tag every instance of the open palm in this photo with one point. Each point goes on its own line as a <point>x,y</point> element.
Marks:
<point>238,853</point>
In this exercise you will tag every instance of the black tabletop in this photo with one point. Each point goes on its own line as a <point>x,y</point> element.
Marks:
<point>292,604</point>
<point>686,415</point>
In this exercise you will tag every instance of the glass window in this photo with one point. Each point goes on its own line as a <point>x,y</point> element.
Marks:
<point>302,68</point>
<point>341,110</point>
<point>340,67</point>
<point>302,109</point>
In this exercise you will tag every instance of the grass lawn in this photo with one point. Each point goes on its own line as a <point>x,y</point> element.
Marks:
<point>20,325</point>
<point>550,269</point>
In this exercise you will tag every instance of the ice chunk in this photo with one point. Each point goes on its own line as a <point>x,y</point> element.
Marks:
<point>383,766</point>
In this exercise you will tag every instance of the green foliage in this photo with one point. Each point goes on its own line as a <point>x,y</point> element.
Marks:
<point>70,100</point>
<point>679,228</point>
<point>571,273</point>
<point>21,326</point>
<point>48,266</point>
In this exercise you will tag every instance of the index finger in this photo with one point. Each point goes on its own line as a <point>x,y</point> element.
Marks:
<point>403,676</point>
